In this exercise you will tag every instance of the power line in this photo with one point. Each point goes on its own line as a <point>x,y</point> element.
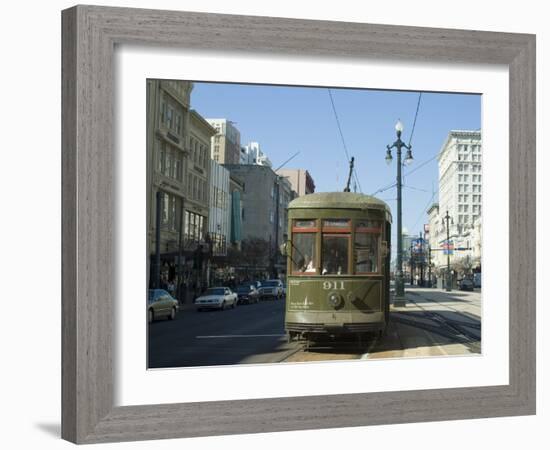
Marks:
<point>342,136</point>
<point>423,211</point>
<point>385,188</point>
<point>415,117</point>
<point>415,188</point>
<point>288,160</point>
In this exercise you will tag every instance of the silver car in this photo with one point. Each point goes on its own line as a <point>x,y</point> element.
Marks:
<point>216,298</point>
<point>272,289</point>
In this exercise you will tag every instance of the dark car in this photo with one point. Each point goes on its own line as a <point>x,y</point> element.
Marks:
<point>466,284</point>
<point>247,293</point>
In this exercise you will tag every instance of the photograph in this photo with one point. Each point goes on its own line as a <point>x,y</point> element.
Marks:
<point>300,224</point>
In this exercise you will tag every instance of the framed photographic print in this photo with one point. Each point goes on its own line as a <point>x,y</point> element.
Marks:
<point>238,206</point>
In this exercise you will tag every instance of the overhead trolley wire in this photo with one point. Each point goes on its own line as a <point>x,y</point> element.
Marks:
<point>342,137</point>
<point>415,117</point>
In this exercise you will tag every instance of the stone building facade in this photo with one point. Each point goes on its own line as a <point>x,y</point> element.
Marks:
<point>177,152</point>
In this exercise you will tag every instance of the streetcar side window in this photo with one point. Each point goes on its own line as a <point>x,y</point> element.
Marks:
<point>304,254</point>
<point>335,254</point>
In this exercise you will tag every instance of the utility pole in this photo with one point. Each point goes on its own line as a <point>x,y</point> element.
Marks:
<point>429,266</point>
<point>411,264</point>
<point>180,250</point>
<point>422,257</point>
<point>449,280</point>
<point>157,239</point>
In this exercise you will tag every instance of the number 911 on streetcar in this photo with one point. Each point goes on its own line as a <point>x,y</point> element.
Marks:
<point>338,265</point>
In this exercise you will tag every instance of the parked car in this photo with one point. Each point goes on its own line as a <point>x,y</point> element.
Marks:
<point>161,304</point>
<point>477,280</point>
<point>272,289</point>
<point>466,284</point>
<point>247,293</point>
<point>216,298</point>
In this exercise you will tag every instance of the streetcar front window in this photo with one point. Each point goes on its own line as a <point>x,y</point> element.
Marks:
<point>304,255</point>
<point>335,254</point>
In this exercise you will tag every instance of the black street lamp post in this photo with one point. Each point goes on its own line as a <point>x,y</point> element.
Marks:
<point>449,278</point>
<point>398,145</point>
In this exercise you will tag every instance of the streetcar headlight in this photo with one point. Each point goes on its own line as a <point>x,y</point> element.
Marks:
<point>334,299</point>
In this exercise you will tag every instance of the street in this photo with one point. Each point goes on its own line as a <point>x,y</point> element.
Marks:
<point>247,334</point>
<point>434,323</point>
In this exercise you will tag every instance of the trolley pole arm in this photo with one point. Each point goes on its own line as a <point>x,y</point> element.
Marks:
<point>346,189</point>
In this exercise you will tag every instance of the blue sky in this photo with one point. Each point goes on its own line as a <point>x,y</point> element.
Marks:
<point>285,120</point>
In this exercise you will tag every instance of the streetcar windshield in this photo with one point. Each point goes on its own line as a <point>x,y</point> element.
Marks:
<point>366,252</point>
<point>303,252</point>
<point>335,254</point>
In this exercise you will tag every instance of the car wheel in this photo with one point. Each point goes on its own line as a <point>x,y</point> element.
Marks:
<point>223,306</point>
<point>172,314</point>
<point>150,316</point>
<point>234,305</point>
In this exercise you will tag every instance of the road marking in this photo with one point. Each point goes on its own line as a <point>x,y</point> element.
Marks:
<point>239,336</point>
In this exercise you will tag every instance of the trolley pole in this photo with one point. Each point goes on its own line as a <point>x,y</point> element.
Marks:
<point>449,281</point>
<point>399,299</point>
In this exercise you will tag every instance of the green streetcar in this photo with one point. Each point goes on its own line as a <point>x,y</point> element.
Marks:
<point>338,265</point>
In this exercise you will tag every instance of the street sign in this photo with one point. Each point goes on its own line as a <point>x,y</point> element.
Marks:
<point>448,247</point>
<point>418,245</point>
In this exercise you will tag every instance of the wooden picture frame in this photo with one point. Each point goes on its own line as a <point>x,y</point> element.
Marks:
<point>90,34</point>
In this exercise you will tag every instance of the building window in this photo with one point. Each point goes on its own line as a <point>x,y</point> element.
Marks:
<point>169,218</point>
<point>179,167</point>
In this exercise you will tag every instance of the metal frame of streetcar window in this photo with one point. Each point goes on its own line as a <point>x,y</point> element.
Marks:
<point>337,231</point>
<point>90,36</point>
<point>365,230</point>
<point>305,230</point>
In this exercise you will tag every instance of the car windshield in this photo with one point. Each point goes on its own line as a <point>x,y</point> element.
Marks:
<point>270,283</point>
<point>215,291</point>
<point>243,288</point>
<point>155,294</point>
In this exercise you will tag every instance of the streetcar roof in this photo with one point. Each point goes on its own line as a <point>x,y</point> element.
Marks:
<point>338,200</point>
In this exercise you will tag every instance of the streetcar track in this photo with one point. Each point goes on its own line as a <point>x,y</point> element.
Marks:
<point>448,328</point>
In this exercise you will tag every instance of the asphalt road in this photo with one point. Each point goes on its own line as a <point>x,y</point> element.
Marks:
<point>248,334</point>
<point>434,323</point>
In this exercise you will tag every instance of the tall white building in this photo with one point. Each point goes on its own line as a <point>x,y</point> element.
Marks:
<point>460,194</point>
<point>252,154</point>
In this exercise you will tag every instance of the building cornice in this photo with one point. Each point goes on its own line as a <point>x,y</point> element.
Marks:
<point>458,134</point>
<point>203,122</point>
<point>174,94</point>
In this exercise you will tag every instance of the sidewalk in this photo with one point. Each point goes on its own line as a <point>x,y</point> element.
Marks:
<point>465,304</point>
